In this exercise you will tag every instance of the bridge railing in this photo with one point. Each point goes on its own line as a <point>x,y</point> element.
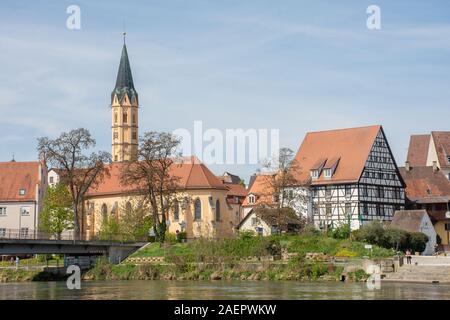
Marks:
<point>17,234</point>
<point>28,234</point>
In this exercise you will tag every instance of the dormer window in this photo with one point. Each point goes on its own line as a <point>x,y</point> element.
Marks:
<point>315,174</point>
<point>21,192</point>
<point>327,173</point>
<point>251,199</point>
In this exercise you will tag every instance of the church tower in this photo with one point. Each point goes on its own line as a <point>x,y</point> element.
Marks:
<point>124,111</point>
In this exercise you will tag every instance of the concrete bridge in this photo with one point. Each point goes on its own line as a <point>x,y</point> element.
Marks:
<point>13,243</point>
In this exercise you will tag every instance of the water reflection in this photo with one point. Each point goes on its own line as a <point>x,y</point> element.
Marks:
<point>252,290</point>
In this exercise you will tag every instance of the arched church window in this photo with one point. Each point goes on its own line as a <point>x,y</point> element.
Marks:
<point>176,210</point>
<point>217,210</point>
<point>104,212</point>
<point>197,209</point>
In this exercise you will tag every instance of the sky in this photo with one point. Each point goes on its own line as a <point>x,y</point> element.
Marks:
<point>292,65</point>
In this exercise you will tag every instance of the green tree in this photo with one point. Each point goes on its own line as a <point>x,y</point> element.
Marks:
<point>418,241</point>
<point>151,176</point>
<point>135,220</point>
<point>57,213</point>
<point>79,170</point>
<point>111,230</point>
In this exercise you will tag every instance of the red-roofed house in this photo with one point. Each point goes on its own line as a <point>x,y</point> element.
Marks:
<point>236,194</point>
<point>22,188</point>
<point>430,150</point>
<point>351,176</point>
<point>203,210</point>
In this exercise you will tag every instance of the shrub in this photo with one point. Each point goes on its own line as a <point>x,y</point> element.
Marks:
<point>170,237</point>
<point>346,253</point>
<point>246,234</point>
<point>418,241</point>
<point>395,238</point>
<point>341,232</point>
<point>310,231</point>
<point>372,232</point>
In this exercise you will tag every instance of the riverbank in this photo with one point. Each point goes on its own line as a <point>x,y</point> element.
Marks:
<point>274,258</point>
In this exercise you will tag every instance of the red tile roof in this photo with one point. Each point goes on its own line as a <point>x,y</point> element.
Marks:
<point>237,190</point>
<point>425,185</point>
<point>18,175</point>
<point>418,149</point>
<point>351,147</point>
<point>442,143</point>
<point>408,220</point>
<point>262,189</point>
<point>191,172</point>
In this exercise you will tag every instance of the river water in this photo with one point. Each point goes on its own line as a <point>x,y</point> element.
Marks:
<point>252,290</point>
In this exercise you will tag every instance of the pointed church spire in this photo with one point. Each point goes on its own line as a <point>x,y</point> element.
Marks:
<point>124,81</point>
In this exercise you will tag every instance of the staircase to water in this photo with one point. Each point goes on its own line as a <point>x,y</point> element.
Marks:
<point>423,269</point>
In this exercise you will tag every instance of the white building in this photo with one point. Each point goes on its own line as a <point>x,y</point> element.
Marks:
<point>53,177</point>
<point>22,188</point>
<point>350,175</point>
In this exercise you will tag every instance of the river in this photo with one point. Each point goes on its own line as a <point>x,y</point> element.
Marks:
<point>253,290</point>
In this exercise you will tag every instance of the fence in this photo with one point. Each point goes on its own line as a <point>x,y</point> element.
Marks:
<point>27,234</point>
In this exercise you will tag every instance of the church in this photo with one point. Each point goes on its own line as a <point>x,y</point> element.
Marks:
<point>206,207</point>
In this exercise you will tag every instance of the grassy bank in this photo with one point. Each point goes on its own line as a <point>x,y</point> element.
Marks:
<point>228,259</point>
<point>248,246</point>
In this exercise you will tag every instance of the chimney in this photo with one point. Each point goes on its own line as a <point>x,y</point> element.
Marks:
<point>407,167</point>
<point>435,166</point>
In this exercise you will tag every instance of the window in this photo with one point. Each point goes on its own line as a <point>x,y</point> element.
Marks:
<point>255,221</point>
<point>116,135</point>
<point>365,209</point>
<point>197,209</point>
<point>134,135</point>
<point>348,209</point>
<point>217,210</point>
<point>176,211</point>
<point>22,192</point>
<point>328,192</point>
<point>115,117</point>
<point>364,190</point>
<point>51,179</point>
<point>327,173</point>
<point>134,118</point>
<point>125,117</point>
<point>380,191</point>
<point>447,226</point>
<point>2,211</point>
<point>104,212</point>
<point>251,199</point>
<point>314,174</point>
<point>25,211</point>
<point>378,210</point>
<point>2,232</point>
<point>348,190</point>
<point>128,208</point>
<point>23,233</point>
<point>116,158</point>
<point>448,159</point>
<point>259,231</point>
<point>328,209</point>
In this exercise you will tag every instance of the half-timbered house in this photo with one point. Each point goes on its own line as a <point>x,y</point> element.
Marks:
<point>351,176</point>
